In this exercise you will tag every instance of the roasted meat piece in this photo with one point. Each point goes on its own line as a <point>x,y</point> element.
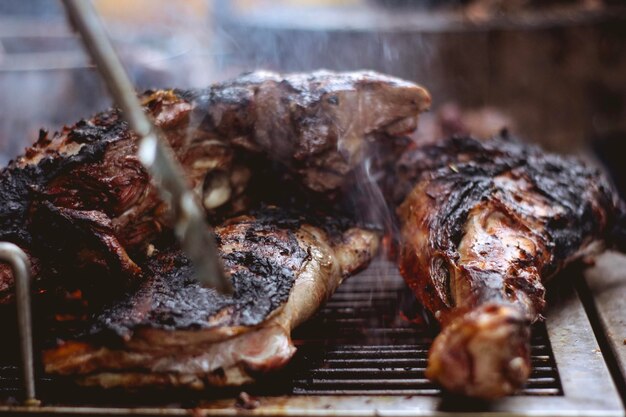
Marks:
<point>173,332</point>
<point>315,123</point>
<point>80,199</point>
<point>485,226</point>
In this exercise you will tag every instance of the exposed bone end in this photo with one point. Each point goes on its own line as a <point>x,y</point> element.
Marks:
<point>484,353</point>
<point>517,367</point>
<point>216,198</point>
<point>206,164</point>
<point>217,190</point>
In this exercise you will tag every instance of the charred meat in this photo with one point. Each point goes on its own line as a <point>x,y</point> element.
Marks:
<point>485,226</point>
<point>80,198</point>
<point>173,332</point>
<point>316,123</point>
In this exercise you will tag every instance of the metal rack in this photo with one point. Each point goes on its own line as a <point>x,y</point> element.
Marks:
<point>357,357</point>
<point>20,265</point>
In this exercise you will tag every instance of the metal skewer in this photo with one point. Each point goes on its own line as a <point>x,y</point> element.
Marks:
<point>20,266</point>
<point>191,227</point>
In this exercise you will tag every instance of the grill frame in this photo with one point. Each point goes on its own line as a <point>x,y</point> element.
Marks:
<point>587,388</point>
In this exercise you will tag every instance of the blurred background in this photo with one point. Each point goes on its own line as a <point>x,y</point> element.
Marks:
<point>552,71</point>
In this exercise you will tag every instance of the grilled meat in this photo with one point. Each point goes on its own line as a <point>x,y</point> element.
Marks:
<point>316,123</point>
<point>173,332</point>
<point>81,199</point>
<point>485,226</point>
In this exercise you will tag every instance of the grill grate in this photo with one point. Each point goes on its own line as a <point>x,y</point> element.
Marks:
<point>358,344</point>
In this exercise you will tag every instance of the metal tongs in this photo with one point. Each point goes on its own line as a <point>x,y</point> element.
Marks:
<point>190,226</point>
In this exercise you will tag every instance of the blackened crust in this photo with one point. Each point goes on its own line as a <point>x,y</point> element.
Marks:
<point>263,259</point>
<point>461,172</point>
<point>19,185</point>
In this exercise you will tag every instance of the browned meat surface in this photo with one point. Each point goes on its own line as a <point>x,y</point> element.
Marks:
<point>81,200</point>
<point>485,226</point>
<point>173,332</point>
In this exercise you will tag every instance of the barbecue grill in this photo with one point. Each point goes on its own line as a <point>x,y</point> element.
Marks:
<point>358,356</point>
<point>365,353</point>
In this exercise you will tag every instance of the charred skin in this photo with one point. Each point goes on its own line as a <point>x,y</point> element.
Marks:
<point>484,228</point>
<point>316,123</point>
<point>81,198</point>
<point>173,332</point>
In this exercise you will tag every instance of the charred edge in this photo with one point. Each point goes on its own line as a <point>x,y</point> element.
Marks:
<point>237,118</point>
<point>563,181</point>
<point>262,282</point>
<point>19,186</point>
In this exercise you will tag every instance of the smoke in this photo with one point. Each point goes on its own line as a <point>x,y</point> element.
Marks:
<point>288,38</point>
<point>370,202</point>
<point>358,35</point>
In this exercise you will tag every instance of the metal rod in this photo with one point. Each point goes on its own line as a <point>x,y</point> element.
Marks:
<point>191,227</point>
<point>20,266</point>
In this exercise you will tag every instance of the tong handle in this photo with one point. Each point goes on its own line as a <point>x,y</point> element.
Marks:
<point>191,228</point>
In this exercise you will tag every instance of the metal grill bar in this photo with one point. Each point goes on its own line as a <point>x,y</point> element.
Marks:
<point>358,345</point>
<point>373,369</point>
